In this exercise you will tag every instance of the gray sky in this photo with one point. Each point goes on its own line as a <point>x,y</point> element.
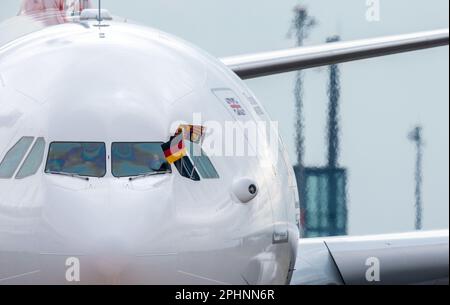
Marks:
<point>382,99</point>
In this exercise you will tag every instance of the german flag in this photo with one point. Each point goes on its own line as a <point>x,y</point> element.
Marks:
<point>175,149</point>
<point>193,133</point>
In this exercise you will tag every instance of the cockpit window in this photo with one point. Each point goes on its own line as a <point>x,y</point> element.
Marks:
<point>14,157</point>
<point>202,161</point>
<point>187,169</point>
<point>87,159</point>
<point>137,159</point>
<point>33,160</point>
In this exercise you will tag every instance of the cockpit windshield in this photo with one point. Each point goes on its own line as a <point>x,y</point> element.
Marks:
<point>82,159</point>
<point>138,159</point>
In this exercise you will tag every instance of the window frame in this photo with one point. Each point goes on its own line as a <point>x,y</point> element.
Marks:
<point>28,155</point>
<point>191,150</point>
<point>170,171</point>
<point>78,142</point>
<point>23,157</point>
<point>194,175</point>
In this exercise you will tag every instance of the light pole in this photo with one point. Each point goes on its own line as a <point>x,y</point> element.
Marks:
<point>416,137</point>
<point>333,132</point>
<point>301,26</point>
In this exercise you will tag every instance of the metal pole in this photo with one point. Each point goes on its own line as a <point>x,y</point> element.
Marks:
<point>334,93</point>
<point>99,10</point>
<point>416,137</point>
<point>301,25</point>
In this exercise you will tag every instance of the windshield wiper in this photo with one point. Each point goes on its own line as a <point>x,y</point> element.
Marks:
<point>69,175</point>
<point>148,175</point>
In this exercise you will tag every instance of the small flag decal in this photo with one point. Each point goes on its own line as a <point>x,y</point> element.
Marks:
<point>235,105</point>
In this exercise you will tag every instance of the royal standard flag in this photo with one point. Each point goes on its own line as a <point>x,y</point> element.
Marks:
<point>175,149</point>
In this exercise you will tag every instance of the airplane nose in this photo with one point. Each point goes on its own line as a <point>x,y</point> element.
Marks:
<point>111,256</point>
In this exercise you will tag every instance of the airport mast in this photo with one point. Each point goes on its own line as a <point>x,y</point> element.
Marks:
<point>416,137</point>
<point>323,213</point>
<point>334,94</point>
<point>333,132</point>
<point>301,26</point>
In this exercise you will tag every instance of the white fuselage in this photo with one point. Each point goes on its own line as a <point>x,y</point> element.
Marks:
<point>126,83</point>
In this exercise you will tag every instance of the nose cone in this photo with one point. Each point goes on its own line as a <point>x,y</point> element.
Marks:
<point>114,216</point>
<point>111,256</point>
<point>121,234</point>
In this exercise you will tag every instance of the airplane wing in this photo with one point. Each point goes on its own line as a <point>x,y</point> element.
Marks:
<point>396,259</point>
<point>412,258</point>
<point>269,63</point>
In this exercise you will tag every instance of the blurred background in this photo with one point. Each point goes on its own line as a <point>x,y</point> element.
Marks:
<point>370,139</point>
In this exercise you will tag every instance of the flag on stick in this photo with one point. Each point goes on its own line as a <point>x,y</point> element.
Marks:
<point>175,149</point>
<point>193,133</point>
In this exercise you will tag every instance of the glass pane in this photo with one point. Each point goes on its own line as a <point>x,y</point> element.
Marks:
<point>202,162</point>
<point>187,169</point>
<point>33,161</point>
<point>83,159</point>
<point>14,157</point>
<point>325,202</point>
<point>135,159</point>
